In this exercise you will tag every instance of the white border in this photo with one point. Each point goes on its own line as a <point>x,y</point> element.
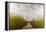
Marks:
<point>2,16</point>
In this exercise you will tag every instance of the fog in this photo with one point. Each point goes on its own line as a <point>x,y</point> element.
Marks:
<point>28,11</point>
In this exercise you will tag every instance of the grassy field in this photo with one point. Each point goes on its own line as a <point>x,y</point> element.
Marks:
<point>17,22</point>
<point>39,23</point>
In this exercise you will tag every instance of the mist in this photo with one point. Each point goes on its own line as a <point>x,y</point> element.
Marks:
<point>28,11</point>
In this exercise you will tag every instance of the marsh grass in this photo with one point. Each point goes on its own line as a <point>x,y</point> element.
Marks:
<point>18,22</point>
<point>37,23</point>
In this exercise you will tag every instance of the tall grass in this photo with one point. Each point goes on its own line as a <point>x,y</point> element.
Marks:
<point>16,22</point>
<point>39,23</point>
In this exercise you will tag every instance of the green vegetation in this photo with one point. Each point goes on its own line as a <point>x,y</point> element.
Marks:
<point>16,22</point>
<point>37,23</point>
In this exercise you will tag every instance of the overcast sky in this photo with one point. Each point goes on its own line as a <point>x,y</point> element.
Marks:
<point>29,11</point>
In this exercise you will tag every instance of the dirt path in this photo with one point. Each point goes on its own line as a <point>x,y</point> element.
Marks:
<point>28,26</point>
